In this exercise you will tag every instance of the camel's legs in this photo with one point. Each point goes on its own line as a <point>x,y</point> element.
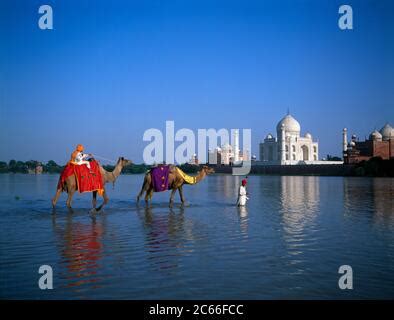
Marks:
<point>94,200</point>
<point>148,195</point>
<point>70,197</point>
<point>172,197</point>
<point>56,197</point>
<point>105,196</point>
<point>105,201</point>
<point>143,188</point>
<point>180,189</point>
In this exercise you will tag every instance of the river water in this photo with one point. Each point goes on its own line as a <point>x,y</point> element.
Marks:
<point>288,243</point>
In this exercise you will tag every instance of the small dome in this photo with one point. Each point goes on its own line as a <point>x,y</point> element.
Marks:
<point>308,135</point>
<point>227,146</point>
<point>289,124</point>
<point>375,135</point>
<point>387,132</point>
<point>269,136</point>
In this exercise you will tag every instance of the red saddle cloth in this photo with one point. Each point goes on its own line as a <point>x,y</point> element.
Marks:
<point>87,180</point>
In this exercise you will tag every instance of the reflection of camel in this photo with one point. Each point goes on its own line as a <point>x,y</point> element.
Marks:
<point>165,237</point>
<point>70,184</point>
<point>81,248</point>
<point>169,236</point>
<point>175,182</point>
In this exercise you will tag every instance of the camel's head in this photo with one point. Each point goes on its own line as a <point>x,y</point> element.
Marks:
<point>124,162</point>
<point>208,170</point>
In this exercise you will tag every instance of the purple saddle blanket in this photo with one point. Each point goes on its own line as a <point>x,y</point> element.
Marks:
<point>160,177</point>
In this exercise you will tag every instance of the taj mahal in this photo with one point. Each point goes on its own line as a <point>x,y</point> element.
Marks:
<point>289,147</point>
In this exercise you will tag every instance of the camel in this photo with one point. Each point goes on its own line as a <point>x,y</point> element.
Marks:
<point>70,185</point>
<point>175,182</point>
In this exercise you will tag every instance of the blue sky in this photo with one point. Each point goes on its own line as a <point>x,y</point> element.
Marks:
<point>110,70</point>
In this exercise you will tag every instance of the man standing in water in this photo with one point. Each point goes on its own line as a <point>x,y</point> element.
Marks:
<point>242,194</point>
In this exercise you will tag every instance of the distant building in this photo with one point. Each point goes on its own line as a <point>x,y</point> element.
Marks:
<point>193,160</point>
<point>37,169</point>
<point>379,144</point>
<point>228,154</point>
<point>289,147</point>
<point>244,155</point>
<point>215,156</point>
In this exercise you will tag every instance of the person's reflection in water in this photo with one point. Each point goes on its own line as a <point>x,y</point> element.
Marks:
<point>243,219</point>
<point>164,237</point>
<point>81,248</point>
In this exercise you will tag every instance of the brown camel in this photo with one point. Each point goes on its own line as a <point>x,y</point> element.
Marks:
<point>175,182</point>
<point>70,185</point>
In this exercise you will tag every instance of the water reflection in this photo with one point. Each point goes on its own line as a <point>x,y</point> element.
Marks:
<point>225,192</point>
<point>299,202</point>
<point>286,243</point>
<point>224,188</point>
<point>374,195</point>
<point>81,249</point>
<point>299,198</point>
<point>243,220</point>
<point>165,236</point>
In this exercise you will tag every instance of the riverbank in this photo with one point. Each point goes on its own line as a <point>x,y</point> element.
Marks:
<point>296,170</point>
<point>375,167</point>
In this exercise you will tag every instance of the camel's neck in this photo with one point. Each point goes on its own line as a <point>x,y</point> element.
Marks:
<point>112,176</point>
<point>200,176</point>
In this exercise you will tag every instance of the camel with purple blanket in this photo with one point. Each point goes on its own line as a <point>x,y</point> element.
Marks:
<point>169,177</point>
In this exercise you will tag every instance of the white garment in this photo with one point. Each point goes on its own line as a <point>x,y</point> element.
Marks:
<point>80,159</point>
<point>242,196</point>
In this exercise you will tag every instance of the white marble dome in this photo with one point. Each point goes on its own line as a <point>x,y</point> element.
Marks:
<point>269,136</point>
<point>375,135</point>
<point>290,125</point>
<point>387,132</point>
<point>227,146</point>
<point>289,148</point>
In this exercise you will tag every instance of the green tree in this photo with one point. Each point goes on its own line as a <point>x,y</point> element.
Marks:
<point>20,167</point>
<point>17,166</point>
<point>31,164</point>
<point>333,158</point>
<point>12,166</point>
<point>3,167</point>
<point>52,167</point>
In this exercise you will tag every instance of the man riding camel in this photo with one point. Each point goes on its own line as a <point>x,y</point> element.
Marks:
<point>79,158</point>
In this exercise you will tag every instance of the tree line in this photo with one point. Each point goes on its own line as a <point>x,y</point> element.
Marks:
<point>14,166</point>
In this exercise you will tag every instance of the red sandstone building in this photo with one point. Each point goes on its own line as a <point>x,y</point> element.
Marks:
<point>379,144</point>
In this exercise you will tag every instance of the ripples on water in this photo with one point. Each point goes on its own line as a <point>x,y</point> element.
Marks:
<point>288,243</point>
